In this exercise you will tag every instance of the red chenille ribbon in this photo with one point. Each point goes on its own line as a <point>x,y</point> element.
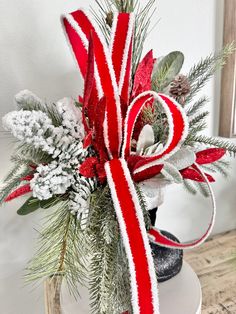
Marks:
<point>108,81</point>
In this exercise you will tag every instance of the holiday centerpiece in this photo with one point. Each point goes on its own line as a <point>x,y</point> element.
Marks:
<point>97,165</point>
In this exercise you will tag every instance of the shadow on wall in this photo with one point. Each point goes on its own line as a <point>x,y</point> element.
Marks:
<point>34,53</point>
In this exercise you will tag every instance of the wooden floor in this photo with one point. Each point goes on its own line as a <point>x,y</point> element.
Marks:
<point>215,265</point>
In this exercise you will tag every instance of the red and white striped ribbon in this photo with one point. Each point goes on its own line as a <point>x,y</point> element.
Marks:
<point>112,71</point>
<point>157,237</point>
<point>135,239</point>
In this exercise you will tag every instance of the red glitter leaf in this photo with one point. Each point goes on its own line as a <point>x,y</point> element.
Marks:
<point>192,174</point>
<point>88,140</point>
<point>29,177</point>
<point>210,155</point>
<point>18,192</point>
<point>133,160</point>
<point>90,98</point>
<point>143,75</point>
<point>142,83</point>
<point>87,169</point>
<point>80,99</point>
<point>89,79</point>
<point>98,142</point>
<point>101,174</point>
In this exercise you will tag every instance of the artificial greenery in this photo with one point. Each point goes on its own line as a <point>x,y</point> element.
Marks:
<point>65,249</point>
<point>109,276</point>
<point>212,141</point>
<point>37,105</point>
<point>13,180</point>
<point>193,109</point>
<point>62,249</point>
<point>109,273</point>
<point>32,204</point>
<point>166,69</point>
<point>200,73</point>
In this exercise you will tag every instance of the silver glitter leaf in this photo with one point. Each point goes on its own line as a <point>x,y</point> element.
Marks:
<point>182,159</point>
<point>170,172</point>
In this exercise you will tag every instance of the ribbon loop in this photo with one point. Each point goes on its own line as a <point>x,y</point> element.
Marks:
<point>79,29</point>
<point>178,128</point>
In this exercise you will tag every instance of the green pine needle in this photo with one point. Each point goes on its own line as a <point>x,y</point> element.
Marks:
<point>200,73</point>
<point>28,154</point>
<point>194,187</point>
<point>194,109</point>
<point>198,119</point>
<point>62,250</point>
<point>211,141</point>
<point>220,166</point>
<point>197,129</point>
<point>190,187</point>
<point>198,123</point>
<point>109,276</point>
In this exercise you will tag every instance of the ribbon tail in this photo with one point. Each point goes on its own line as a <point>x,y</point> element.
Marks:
<point>131,222</point>
<point>157,237</point>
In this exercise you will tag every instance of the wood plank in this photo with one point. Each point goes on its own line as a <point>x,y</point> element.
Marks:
<point>228,87</point>
<point>52,292</point>
<point>215,265</point>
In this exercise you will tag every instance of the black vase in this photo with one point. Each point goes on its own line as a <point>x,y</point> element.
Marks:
<point>168,262</point>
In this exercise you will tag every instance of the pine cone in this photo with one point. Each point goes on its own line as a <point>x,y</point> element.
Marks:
<point>109,18</point>
<point>180,88</point>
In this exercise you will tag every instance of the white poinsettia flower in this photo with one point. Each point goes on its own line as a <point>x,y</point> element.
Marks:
<point>146,139</point>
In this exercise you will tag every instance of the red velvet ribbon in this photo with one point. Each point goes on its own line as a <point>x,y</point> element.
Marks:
<point>107,74</point>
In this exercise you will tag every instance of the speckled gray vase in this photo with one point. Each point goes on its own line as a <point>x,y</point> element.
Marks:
<point>168,262</point>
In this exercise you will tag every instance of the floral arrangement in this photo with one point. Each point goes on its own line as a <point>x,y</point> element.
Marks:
<point>96,165</point>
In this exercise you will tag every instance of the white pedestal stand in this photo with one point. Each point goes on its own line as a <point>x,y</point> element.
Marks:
<point>179,295</point>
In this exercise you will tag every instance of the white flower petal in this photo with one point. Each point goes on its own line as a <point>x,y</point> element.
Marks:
<point>146,139</point>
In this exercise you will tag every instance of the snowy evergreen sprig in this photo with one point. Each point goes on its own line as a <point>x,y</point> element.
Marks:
<point>62,173</point>
<point>31,127</point>
<point>36,128</point>
<point>49,180</point>
<point>71,117</point>
<point>79,204</point>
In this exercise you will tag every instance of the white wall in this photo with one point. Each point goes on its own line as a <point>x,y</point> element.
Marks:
<point>34,55</point>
